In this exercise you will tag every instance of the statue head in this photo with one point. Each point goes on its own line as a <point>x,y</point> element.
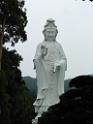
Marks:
<point>50,30</point>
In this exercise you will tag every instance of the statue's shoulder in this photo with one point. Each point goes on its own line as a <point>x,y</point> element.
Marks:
<point>58,44</point>
<point>39,45</point>
<point>42,43</point>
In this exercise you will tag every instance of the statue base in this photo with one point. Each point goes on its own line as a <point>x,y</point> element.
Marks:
<point>34,121</point>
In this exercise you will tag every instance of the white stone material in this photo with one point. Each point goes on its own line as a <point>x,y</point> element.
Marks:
<point>50,63</point>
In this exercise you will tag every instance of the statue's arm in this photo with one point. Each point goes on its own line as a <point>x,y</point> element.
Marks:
<point>61,52</point>
<point>37,55</point>
<point>38,52</point>
<point>41,52</point>
<point>62,61</point>
<point>63,57</point>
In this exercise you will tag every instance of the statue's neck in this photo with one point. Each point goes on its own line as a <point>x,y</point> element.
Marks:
<point>50,41</point>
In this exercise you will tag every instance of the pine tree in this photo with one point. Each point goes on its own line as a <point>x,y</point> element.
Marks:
<point>15,102</point>
<point>12,23</point>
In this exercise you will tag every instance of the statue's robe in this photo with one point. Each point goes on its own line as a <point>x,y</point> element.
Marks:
<point>50,82</point>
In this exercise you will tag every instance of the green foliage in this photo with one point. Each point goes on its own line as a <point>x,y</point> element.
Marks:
<point>10,59</point>
<point>15,102</point>
<point>76,105</point>
<point>89,0</point>
<point>5,105</point>
<point>14,14</point>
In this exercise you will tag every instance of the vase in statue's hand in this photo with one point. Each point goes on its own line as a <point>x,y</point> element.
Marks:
<point>43,51</point>
<point>56,67</point>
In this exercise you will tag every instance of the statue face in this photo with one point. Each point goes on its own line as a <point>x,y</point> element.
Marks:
<point>50,34</point>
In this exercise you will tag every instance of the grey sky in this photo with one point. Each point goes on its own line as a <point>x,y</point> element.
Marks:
<point>74,20</point>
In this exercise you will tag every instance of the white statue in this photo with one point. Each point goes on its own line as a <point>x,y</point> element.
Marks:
<point>50,63</point>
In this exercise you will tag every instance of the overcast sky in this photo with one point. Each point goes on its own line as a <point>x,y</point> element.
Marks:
<point>74,20</point>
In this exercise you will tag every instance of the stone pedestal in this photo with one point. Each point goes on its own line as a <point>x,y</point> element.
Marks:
<point>34,121</point>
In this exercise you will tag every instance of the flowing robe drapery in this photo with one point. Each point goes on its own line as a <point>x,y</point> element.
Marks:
<point>50,81</point>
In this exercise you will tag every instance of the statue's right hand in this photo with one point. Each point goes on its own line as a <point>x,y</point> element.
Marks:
<point>34,63</point>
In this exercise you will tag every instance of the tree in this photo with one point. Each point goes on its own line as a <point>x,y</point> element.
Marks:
<point>12,22</point>
<point>89,0</point>
<point>15,101</point>
<point>16,104</point>
<point>76,105</point>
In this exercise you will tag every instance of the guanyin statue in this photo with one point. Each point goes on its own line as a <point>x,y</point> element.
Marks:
<point>50,63</point>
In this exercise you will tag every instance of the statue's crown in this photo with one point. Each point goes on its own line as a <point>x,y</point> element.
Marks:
<point>50,24</point>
